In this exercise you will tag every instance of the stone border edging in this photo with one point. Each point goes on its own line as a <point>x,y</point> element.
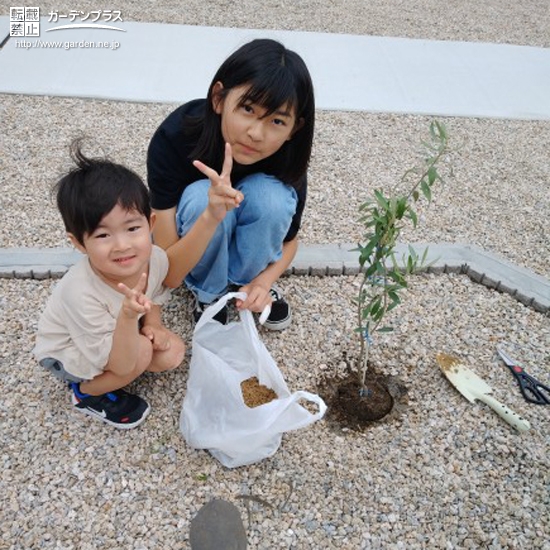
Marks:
<point>481,266</point>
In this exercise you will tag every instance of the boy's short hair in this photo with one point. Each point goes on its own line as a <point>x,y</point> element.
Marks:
<point>91,190</point>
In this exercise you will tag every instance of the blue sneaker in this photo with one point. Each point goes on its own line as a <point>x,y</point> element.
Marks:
<point>118,408</point>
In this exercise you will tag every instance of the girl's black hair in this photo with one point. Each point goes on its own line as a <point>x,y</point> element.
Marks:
<point>91,190</point>
<point>276,76</point>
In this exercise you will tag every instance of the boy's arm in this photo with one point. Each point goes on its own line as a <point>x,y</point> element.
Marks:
<point>125,348</point>
<point>153,317</point>
<point>154,329</point>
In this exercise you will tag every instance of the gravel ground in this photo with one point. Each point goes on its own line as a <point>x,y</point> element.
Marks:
<point>445,474</point>
<point>497,198</point>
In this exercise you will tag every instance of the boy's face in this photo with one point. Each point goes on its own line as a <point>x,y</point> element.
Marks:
<point>253,136</point>
<point>120,248</point>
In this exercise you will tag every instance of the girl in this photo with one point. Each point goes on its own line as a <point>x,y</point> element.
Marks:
<point>252,134</point>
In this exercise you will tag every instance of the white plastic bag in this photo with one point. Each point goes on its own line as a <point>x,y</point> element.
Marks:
<point>214,415</point>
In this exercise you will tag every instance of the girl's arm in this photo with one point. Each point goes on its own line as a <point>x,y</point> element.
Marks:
<point>184,253</point>
<point>164,231</point>
<point>258,289</point>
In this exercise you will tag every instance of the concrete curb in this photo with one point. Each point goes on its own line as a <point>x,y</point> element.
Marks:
<point>481,79</point>
<point>328,260</point>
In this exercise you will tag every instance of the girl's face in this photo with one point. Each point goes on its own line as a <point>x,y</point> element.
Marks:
<point>253,136</point>
<point>120,248</point>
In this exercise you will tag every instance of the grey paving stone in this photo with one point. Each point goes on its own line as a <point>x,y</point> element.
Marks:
<point>301,268</point>
<point>351,269</point>
<point>474,275</point>
<point>541,308</point>
<point>490,282</point>
<point>457,269</point>
<point>506,289</point>
<point>318,271</point>
<point>333,259</point>
<point>524,298</point>
<point>335,268</point>
<point>218,525</point>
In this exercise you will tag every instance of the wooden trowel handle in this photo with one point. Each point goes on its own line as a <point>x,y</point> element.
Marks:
<point>504,412</point>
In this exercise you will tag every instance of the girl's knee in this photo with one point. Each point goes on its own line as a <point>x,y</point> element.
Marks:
<point>268,197</point>
<point>192,203</point>
<point>259,185</point>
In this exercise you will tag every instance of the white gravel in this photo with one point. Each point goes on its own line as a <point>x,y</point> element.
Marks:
<point>497,199</point>
<point>446,474</point>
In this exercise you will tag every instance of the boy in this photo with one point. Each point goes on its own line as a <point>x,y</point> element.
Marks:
<point>102,325</point>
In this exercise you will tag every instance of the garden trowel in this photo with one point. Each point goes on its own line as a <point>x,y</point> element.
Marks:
<point>472,387</point>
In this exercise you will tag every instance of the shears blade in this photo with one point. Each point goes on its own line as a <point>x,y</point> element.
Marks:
<point>532,390</point>
<point>506,358</point>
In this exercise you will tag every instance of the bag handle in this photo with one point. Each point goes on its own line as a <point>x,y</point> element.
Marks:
<point>247,318</point>
<point>216,307</point>
<point>312,398</point>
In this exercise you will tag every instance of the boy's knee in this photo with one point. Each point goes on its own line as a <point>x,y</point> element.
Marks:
<point>177,348</point>
<point>177,358</point>
<point>145,354</point>
<point>168,359</point>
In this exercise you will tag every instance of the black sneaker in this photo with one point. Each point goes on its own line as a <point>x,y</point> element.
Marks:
<point>281,315</point>
<point>199,308</point>
<point>118,408</point>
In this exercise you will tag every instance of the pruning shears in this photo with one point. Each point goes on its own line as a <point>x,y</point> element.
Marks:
<point>532,390</point>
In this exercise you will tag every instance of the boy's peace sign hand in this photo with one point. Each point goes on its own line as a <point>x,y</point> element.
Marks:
<point>221,196</point>
<point>135,301</point>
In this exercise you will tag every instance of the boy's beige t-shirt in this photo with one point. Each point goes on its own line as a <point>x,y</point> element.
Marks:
<point>78,323</point>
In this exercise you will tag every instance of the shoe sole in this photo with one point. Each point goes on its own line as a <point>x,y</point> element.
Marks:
<point>97,416</point>
<point>279,325</point>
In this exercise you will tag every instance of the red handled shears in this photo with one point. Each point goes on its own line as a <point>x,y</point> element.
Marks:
<point>533,390</point>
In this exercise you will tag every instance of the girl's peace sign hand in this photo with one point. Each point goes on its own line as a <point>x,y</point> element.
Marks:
<point>221,196</point>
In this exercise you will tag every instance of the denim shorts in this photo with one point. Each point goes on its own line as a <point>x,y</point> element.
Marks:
<point>56,368</point>
<point>246,242</point>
